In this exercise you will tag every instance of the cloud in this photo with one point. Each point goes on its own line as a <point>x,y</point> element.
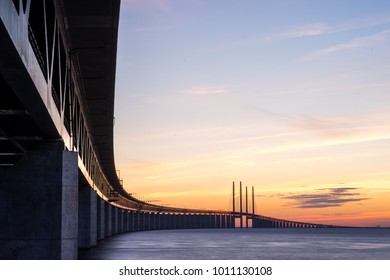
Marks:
<point>326,197</point>
<point>314,29</point>
<point>355,43</point>
<point>362,23</point>
<point>204,90</point>
<point>184,94</point>
<point>330,128</point>
<point>311,30</point>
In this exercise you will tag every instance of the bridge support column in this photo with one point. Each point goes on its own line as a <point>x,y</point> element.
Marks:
<point>107,219</point>
<point>228,221</point>
<point>212,221</point>
<point>125,221</point>
<point>114,219</point>
<point>168,221</point>
<point>87,217</point>
<point>141,221</point>
<point>38,205</point>
<point>223,221</point>
<point>120,220</point>
<point>136,221</point>
<point>100,219</point>
<point>131,220</point>
<point>173,219</point>
<point>218,221</point>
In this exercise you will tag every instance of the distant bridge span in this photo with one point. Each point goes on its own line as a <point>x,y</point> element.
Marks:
<point>59,187</point>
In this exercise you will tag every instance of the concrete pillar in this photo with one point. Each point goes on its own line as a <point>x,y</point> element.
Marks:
<point>155,220</point>
<point>188,221</point>
<point>152,220</point>
<point>125,221</point>
<point>136,221</point>
<point>201,221</point>
<point>193,220</point>
<point>146,221</point>
<point>131,221</point>
<point>207,221</point>
<point>119,217</point>
<point>100,219</point>
<point>140,221</point>
<point>87,216</point>
<point>143,219</point>
<point>187,224</point>
<point>38,205</point>
<point>160,217</point>
<point>114,219</point>
<point>170,221</point>
<point>198,221</point>
<point>223,221</point>
<point>228,221</point>
<point>182,223</point>
<point>178,221</point>
<point>107,219</point>
<point>217,221</point>
<point>120,220</point>
<point>164,221</point>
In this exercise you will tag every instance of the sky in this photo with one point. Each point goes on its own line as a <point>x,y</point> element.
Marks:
<point>291,97</point>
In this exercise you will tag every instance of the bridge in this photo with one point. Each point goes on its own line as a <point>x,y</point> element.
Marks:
<point>59,187</point>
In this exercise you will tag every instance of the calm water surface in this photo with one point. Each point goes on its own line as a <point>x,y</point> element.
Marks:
<point>221,244</point>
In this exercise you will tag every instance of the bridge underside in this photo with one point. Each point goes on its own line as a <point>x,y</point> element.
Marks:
<point>19,131</point>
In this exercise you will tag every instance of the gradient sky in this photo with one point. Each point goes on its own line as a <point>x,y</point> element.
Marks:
<point>289,96</point>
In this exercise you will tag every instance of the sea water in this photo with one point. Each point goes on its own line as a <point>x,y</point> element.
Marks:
<point>246,244</point>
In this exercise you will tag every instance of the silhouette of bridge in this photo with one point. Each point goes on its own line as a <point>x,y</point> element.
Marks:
<point>59,188</point>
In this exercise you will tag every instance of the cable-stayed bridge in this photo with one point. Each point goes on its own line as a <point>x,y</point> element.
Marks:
<point>59,187</point>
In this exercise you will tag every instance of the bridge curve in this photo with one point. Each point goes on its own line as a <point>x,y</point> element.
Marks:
<point>90,31</point>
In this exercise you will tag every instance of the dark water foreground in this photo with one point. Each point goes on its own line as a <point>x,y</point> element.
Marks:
<point>236,244</point>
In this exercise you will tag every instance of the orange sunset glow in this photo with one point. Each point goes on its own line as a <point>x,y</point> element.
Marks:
<point>296,104</point>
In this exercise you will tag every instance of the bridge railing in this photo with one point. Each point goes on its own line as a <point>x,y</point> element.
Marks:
<point>62,87</point>
<point>58,83</point>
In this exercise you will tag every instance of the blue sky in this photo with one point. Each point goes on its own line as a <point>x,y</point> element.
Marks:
<point>289,96</point>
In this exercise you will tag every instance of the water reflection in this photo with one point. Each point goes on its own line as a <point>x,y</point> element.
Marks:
<point>246,244</point>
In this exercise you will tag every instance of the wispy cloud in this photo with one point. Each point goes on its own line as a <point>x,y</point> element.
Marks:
<point>330,128</point>
<point>362,23</point>
<point>311,30</point>
<point>355,43</point>
<point>204,90</point>
<point>314,29</point>
<point>326,197</point>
